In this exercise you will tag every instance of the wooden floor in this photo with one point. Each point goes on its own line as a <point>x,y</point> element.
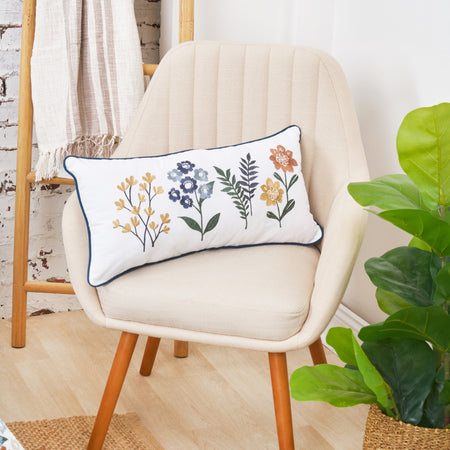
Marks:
<point>217,398</point>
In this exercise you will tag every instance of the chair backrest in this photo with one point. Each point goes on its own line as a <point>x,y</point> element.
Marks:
<point>208,94</point>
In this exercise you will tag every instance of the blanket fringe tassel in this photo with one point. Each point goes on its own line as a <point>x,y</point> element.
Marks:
<point>51,162</point>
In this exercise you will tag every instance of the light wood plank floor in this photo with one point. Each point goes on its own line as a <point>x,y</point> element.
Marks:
<point>217,398</point>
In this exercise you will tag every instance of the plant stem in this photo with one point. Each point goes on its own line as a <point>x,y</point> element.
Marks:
<point>279,215</point>
<point>286,186</point>
<point>445,358</point>
<point>201,214</point>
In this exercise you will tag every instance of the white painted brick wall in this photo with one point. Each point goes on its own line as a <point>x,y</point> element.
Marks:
<point>46,253</point>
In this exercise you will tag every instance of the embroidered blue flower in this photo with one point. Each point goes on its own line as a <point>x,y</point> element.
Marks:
<point>186,201</point>
<point>205,190</point>
<point>185,166</point>
<point>174,195</point>
<point>174,175</point>
<point>201,175</point>
<point>188,185</point>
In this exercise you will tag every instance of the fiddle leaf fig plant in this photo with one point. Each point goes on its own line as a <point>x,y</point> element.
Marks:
<point>403,363</point>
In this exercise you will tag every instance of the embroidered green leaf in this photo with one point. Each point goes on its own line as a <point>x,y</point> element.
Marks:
<point>277,176</point>
<point>289,207</point>
<point>292,181</point>
<point>191,223</point>
<point>219,171</point>
<point>271,215</point>
<point>234,190</point>
<point>212,222</point>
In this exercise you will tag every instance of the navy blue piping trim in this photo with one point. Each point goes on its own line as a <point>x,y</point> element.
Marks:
<point>184,254</point>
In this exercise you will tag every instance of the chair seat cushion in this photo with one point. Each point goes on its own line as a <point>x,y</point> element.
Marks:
<point>258,292</point>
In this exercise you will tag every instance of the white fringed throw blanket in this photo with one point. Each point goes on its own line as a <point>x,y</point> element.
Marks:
<point>87,78</point>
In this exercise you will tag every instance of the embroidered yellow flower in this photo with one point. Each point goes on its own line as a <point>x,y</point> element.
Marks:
<point>120,204</point>
<point>142,186</point>
<point>122,187</point>
<point>126,228</point>
<point>116,223</point>
<point>153,225</point>
<point>149,211</point>
<point>142,198</point>
<point>131,181</point>
<point>282,159</point>
<point>158,190</point>
<point>135,221</point>
<point>164,218</point>
<point>148,177</point>
<point>272,193</point>
<point>165,229</point>
<point>136,210</point>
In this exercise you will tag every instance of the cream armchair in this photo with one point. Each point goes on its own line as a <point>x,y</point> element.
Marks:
<point>208,94</point>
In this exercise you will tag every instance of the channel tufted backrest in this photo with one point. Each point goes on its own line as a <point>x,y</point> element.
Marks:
<point>208,94</point>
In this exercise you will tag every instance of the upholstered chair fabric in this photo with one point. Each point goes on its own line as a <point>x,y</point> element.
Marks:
<point>273,298</point>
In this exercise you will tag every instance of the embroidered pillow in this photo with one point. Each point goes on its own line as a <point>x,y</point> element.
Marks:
<point>150,209</point>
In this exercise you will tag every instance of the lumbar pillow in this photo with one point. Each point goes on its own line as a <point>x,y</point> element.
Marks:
<point>150,209</point>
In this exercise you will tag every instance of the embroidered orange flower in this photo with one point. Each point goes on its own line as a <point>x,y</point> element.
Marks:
<point>282,159</point>
<point>272,193</point>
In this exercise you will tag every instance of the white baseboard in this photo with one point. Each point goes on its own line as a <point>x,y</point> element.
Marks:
<point>344,317</point>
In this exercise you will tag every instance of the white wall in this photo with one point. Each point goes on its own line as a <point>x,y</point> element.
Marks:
<point>395,53</point>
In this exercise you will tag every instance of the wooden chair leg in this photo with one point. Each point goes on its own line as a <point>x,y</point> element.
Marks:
<point>180,349</point>
<point>281,400</point>
<point>113,387</point>
<point>148,359</point>
<point>317,352</point>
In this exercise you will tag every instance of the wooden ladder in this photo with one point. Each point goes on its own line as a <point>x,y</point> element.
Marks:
<point>25,177</point>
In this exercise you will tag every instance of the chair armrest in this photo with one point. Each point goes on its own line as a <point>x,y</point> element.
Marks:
<point>343,235</point>
<point>76,245</point>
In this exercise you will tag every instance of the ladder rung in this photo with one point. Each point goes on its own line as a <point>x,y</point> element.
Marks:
<point>149,69</point>
<point>49,287</point>
<point>31,178</point>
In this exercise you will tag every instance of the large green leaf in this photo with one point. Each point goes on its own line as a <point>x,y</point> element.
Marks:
<point>442,293</point>
<point>373,379</point>
<point>418,243</point>
<point>390,303</point>
<point>423,225</point>
<point>430,324</point>
<point>408,367</point>
<point>341,340</point>
<point>406,271</point>
<point>387,192</point>
<point>433,412</point>
<point>423,144</point>
<point>338,386</point>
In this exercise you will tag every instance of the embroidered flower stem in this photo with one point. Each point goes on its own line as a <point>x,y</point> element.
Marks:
<point>248,176</point>
<point>137,217</point>
<point>189,184</point>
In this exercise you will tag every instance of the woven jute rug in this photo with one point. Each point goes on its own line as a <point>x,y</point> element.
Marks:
<point>72,433</point>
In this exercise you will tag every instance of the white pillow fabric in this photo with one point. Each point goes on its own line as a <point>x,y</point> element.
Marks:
<point>150,209</point>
